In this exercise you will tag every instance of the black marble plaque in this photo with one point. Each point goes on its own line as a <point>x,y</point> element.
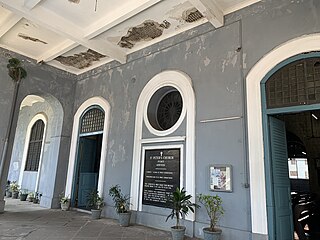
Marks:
<point>161,175</point>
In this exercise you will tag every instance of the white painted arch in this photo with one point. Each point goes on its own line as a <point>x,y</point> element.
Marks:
<point>43,117</point>
<point>97,101</point>
<point>182,82</point>
<point>306,43</point>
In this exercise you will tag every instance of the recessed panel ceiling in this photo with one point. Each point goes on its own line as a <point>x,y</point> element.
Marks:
<point>30,39</point>
<point>4,14</point>
<point>79,35</point>
<point>85,12</point>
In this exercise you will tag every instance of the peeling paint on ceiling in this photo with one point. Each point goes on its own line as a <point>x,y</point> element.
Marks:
<point>146,31</point>
<point>80,60</point>
<point>26,37</point>
<point>192,15</point>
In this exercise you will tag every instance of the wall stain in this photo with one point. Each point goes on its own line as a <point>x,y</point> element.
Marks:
<point>80,60</point>
<point>206,61</point>
<point>26,37</point>
<point>146,31</point>
<point>232,58</point>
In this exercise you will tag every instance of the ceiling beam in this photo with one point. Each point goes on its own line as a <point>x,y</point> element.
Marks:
<point>59,25</point>
<point>211,11</point>
<point>57,51</point>
<point>29,4</point>
<point>118,16</point>
<point>9,23</point>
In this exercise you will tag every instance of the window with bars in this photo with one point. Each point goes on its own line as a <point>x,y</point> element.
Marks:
<point>92,121</point>
<point>298,83</point>
<point>35,146</point>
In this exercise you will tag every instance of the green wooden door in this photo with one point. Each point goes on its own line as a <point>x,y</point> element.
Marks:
<point>280,181</point>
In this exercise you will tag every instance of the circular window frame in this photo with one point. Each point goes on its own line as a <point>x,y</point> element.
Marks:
<point>171,130</point>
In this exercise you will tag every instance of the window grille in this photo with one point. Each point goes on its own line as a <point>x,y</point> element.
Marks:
<point>169,110</point>
<point>92,121</point>
<point>35,146</point>
<point>298,83</point>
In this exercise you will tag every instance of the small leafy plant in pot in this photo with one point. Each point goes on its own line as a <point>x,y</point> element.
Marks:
<point>213,206</point>
<point>95,203</point>
<point>121,204</point>
<point>64,202</point>
<point>23,194</point>
<point>30,196</point>
<point>14,187</point>
<point>180,205</point>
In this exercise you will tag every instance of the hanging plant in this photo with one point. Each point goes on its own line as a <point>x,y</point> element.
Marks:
<point>15,69</point>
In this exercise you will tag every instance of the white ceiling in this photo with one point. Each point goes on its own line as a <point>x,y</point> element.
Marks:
<point>79,35</point>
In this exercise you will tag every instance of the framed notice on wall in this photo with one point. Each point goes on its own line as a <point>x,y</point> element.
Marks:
<point>161,175</point>
<point>220,177</point>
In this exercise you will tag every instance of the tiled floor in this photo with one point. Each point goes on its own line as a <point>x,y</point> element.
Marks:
<point>28,221</point>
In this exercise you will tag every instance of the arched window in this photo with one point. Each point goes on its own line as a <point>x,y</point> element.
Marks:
<point>35,146</point>
<point>92,121</point>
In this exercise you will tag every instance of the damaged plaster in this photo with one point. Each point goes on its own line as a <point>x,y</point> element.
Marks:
<point>26,37</point>
<point>146,31</point>
<point>80,60</point>
<point>192,15</point>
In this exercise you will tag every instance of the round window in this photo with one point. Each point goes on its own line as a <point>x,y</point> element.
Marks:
<point>165,108</point>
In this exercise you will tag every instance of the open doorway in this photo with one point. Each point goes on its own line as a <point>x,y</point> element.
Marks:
<point>87,166</point>
<point>301,170</point>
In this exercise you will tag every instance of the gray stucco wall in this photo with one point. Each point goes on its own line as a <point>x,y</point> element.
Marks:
<point>57,88</point>
<point>217,61</point>
<point>212,61</point>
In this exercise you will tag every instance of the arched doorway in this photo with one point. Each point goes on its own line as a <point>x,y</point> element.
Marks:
<point>289,95</point>
<point>88,155</point>
<point>260,71</point>
<point>90,127</point>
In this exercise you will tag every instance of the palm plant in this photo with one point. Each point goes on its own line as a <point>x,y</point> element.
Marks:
<point>180,205</point>
<point>121,201</point>
<point>94,201</point>
<point>15,69</point>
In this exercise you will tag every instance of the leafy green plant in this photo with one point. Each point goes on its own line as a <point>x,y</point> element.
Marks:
<point>64,199</point>
<point>14,187</point>
<point>94,201</point>
<point>121,201</point>
<point>15,69</point>
<point>213,206</point>
<point>23,191</point>
<point>180,205</point>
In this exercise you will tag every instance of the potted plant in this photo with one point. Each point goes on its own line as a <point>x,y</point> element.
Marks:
<point>30,196</point>
<point>37,197</point>
<point>8,191</point>
<point>14,187</point>
<point>64,202</point>
<point>95,203</point>
<point>213,206</point>
<point>23,194</point>
<point>180,205</point>
<point>121,204</point>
